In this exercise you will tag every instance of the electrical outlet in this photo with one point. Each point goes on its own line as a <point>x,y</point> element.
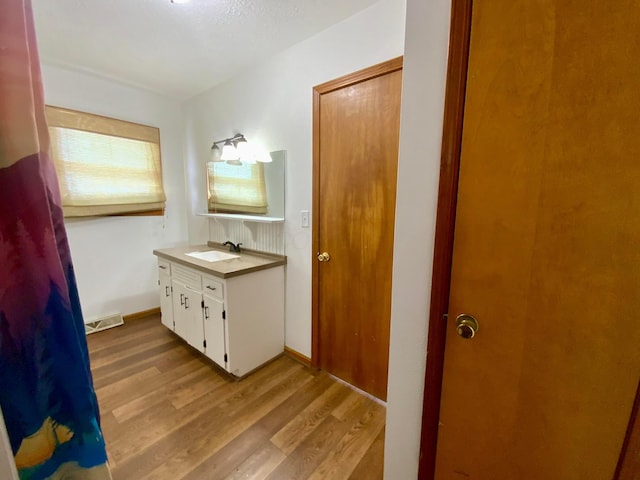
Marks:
<point>304,218</point>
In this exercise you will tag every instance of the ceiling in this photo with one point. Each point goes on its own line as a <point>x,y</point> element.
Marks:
<point>177,49</point>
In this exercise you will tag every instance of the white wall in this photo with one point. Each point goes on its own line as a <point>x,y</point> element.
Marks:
<point>272,104</point>
<point>112,256</point>
<point>424,74</point>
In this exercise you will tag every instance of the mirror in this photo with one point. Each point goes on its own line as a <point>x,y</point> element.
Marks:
<point>274,180</point>
<point>256,190</point>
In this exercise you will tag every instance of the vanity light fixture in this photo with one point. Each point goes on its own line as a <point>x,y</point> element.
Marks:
<point>229,152</point>
<point>236,151</point>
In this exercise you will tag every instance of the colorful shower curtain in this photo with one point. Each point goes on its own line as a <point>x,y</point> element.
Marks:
<point>46,390</point>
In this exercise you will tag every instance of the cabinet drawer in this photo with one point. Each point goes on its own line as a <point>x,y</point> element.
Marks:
<point>212,287</point>
<point>187,276</point>
<point>164,267</point>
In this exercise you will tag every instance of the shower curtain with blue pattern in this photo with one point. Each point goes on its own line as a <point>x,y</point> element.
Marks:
<point>46,390</point>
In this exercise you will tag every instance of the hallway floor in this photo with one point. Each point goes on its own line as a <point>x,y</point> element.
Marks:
<point>168,413</point>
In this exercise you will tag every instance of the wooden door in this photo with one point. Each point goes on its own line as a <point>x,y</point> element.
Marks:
<point>356,126</point>
<point>546,252</point>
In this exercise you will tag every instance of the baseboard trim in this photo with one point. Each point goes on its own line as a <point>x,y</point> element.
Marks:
<point>297,356</point>
<point>142,314</point>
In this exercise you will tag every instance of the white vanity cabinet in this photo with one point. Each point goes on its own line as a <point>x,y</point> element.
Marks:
<point>238,322</point>
<point>187,305</point>
<point>166,301</point>
<point>214,319</point>
<point>254,324</point>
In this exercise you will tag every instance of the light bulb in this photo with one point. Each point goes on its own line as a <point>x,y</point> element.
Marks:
<point>216,153</point>
<point>245,151</point>
<point>229,152</point>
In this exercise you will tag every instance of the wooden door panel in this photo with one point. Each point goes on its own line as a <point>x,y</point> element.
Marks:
<point>358,128</point>
<point>544,250</point>
<point>489,246</point>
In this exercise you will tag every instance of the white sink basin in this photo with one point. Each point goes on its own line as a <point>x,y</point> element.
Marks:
<point>212,256</point>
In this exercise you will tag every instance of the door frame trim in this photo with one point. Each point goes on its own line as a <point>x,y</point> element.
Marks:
<point>455,93</point>
<point>351,79</point>
<point>627,439</point>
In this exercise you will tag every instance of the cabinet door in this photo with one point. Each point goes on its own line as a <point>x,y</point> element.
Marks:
<point>214,330</point>
<point>187,314</point>
<point>166,305</point>
<point>180,324</point>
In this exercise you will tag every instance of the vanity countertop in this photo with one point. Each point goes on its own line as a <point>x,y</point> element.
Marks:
<point>248,261</point>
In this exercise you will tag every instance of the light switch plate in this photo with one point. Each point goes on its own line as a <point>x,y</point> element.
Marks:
<point>304,218</point>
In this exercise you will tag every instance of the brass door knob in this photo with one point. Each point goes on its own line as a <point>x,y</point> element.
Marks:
<point>467,326</point>
<point>324,257</point>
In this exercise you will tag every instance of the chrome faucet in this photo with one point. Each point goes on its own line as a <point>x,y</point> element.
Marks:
<point>232,246</point>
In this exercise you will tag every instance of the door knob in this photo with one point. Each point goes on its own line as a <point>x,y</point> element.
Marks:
<point>466,326</point>
<point>324,257</point>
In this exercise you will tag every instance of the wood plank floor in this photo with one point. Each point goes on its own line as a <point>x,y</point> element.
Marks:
<point>168,413</point>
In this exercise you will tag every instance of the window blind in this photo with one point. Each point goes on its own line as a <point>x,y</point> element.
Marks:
<point>236,188</point>
<point>105,166</point>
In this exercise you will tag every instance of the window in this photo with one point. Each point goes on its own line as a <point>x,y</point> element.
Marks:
<point>236,188</point>
<point>105,166</point>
